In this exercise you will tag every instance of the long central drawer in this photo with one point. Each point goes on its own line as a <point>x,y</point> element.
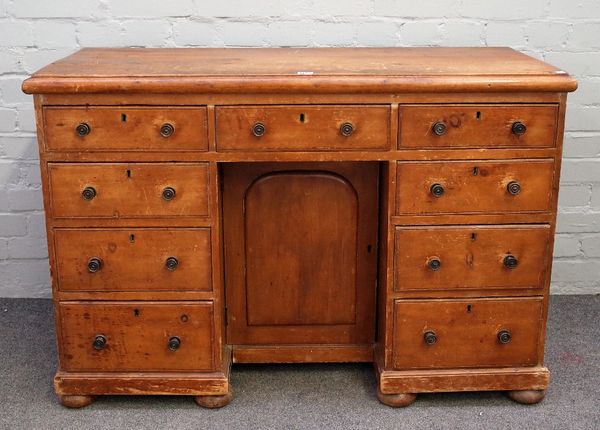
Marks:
<point>303,128</point>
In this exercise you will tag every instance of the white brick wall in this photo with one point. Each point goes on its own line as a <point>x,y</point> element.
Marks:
<point>34,33</point>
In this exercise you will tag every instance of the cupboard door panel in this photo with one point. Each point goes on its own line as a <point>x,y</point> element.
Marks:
<point>300,258</point>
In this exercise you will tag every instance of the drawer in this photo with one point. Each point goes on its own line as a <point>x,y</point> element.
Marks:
<point>466,333</point>
<point>135,259</point>
<point>474,186</point>
<point>464,126</point>
<point>303,128</point>
<point>128,190</point>
<point>136,336</point>
<point>125,128</point>
<point>442,258</point>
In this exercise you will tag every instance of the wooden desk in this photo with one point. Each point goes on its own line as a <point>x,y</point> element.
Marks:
<point>210,206</point>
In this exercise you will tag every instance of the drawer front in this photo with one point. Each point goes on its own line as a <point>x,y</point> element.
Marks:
<point>442,258</point>
<point>125,128</point>
<point>133,259</point>
<point>136,336</point>
<point>464,126</point>
<point>129,190</point>
<point>474,186</point>
<point>303,128</point>
<point>466,333</point>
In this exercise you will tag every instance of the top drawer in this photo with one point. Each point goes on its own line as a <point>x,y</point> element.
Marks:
<point>125,128</point>
<point>467,126</point>
<point>303,128</point>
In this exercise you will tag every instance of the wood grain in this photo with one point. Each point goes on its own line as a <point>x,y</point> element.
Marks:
<point>303,128</point>
<point>129,190</point>
<point>126,128</point>
<point>329,70</point>
<point>470,257</point>
<point>466,332</point>
<point>137,336</point>
<point>308,253</point>
<point>478,126</point>
<point>133,259</point>
<point>474,186</point>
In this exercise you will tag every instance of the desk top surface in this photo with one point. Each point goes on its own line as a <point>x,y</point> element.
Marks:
<point>303,69</point>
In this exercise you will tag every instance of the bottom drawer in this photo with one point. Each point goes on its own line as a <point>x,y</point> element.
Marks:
<point>136,336</point>
<point>466,333</point>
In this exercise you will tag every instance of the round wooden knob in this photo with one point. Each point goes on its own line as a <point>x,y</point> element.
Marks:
<point>174,343</point>
<point>171,263</point>
<point>259,129</point>
<point>83,129</point>
<point>88,193</point>
<point>167,130</point>
<point>510,261</point>
<point>434,263</point>
<point>504,336</point>
<point>430,337</point>
<point>168,193</point>
<point>346,129</point>
<point>99,342</point>
<point>437,190</point>
<point>518,128</point>
<point>94,264</point>
<point>513,188</point>
<point>439,128</point>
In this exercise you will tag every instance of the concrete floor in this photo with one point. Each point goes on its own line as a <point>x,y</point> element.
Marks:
<point>336,396</point>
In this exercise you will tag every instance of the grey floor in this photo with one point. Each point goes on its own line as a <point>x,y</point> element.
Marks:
<point>302,396</point>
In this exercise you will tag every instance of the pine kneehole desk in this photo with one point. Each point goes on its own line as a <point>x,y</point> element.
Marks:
<point>214,206</point>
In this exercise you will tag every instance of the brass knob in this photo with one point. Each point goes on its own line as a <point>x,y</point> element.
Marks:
<point>437,190</point>
<point>346,129</point>
<point>434,263</point>
<point>167,130</point>
<point>171,263</point>
<point>168,193</point>
<point>510,261</point>
<point>99,342</point>
<point>88,193</point>
<point>504,336</point>
<point>94,264</point>
<point>174,343</point>
<point>513,188</point>
<point>439,128</point>
<point>83,129</point>
<point>519,128</point>
<point>258,129</point>
<point>430,337</point>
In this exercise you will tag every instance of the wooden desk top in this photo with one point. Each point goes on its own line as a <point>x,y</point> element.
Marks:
<point>309,70</point>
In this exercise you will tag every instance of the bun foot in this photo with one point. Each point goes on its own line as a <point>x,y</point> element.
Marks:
<point>213,402</point>
<point>75,401</point>
<point>396,400</point>
<point>527,397</point>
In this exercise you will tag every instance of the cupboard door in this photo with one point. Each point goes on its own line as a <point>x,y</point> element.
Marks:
<point>300,252</point>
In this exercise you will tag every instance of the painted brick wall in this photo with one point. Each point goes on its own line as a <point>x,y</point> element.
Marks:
<point>34,33</point>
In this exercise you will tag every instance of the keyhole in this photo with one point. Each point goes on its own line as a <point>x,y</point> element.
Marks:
<point>128,173</point>
<point>478,115</point>
<point>469,309</point>
<point>473,236</point>
<point>369,247</point>
<point>136,312</point>
<point>301,117</point>
<point>475,171</point>
<point>132,238</point>
<point>123,117</point>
